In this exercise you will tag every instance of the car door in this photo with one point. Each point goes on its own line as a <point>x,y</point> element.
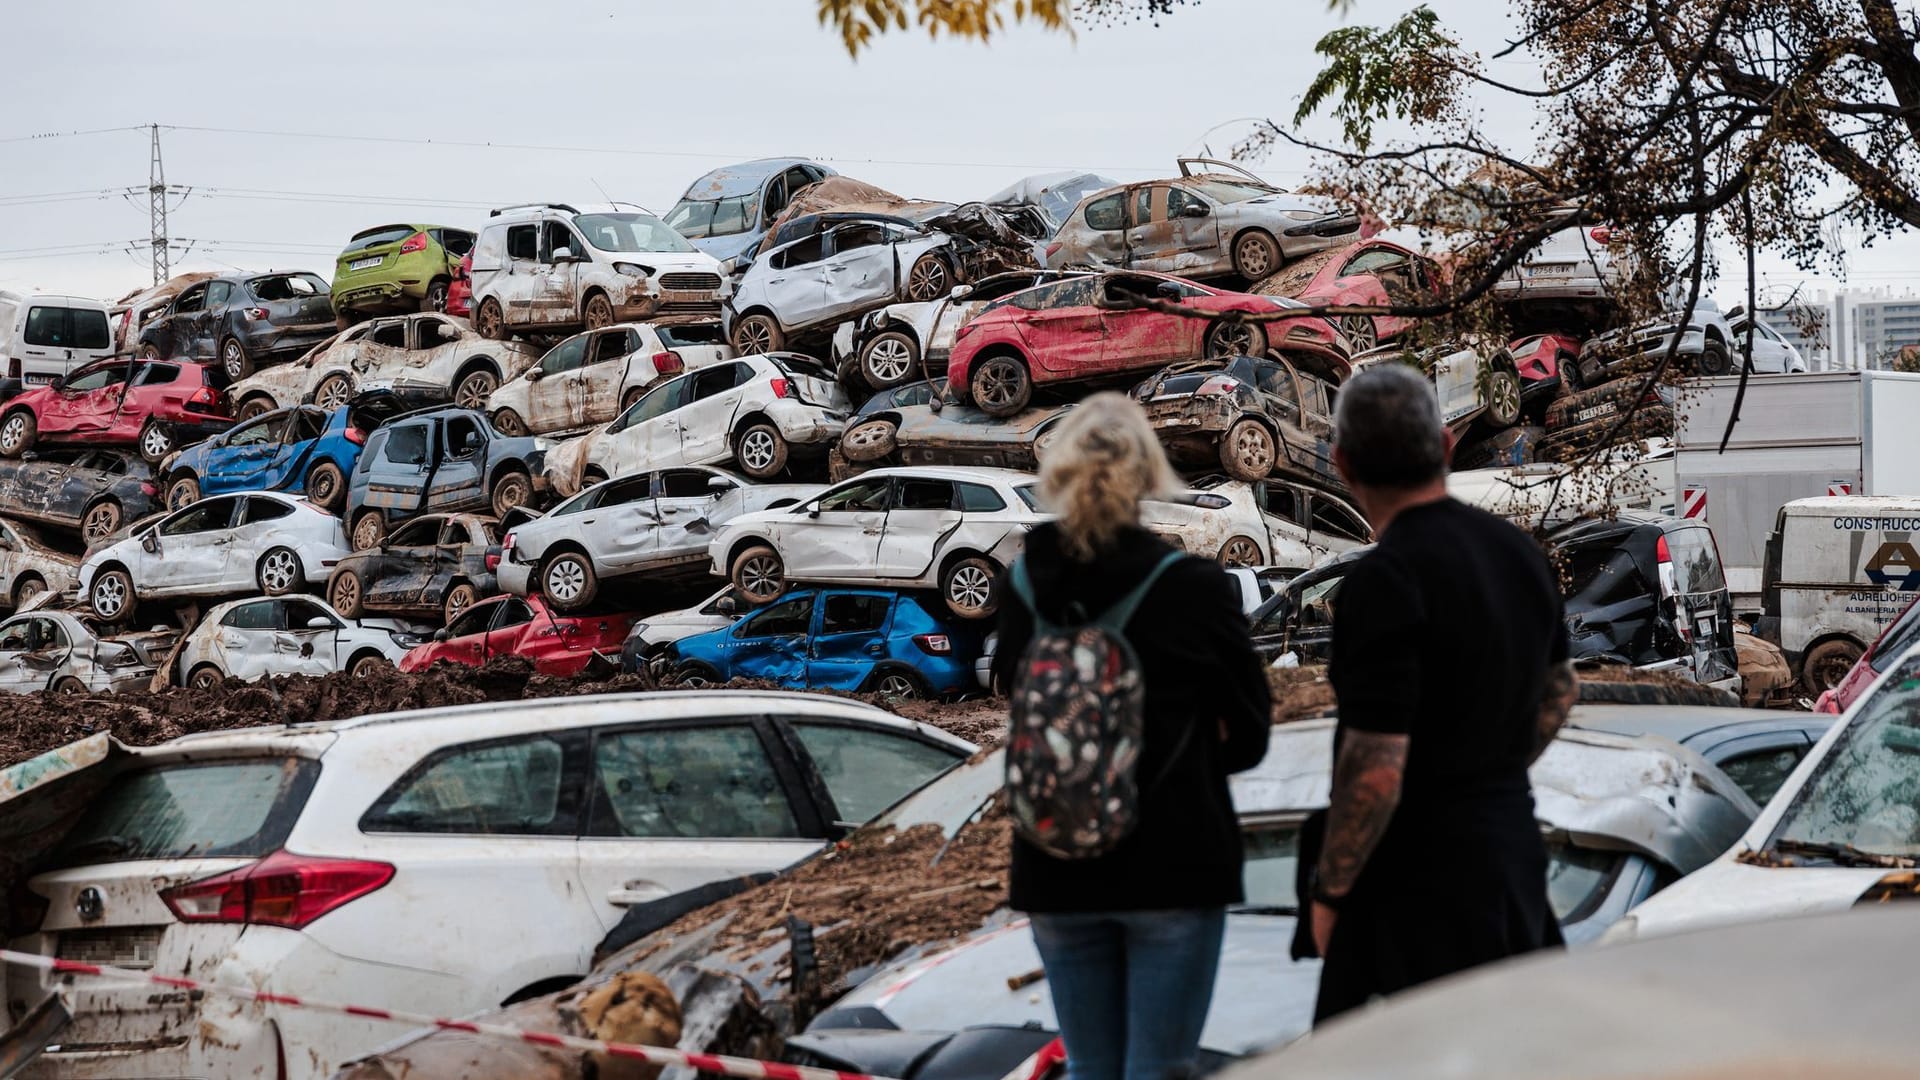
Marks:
<point>400,469</point>
<point>448,559</point>
<point>620,530</point>
<point>1286,515</point>
<point>865,767</point>
<point>554,398</point>
<point>244,643</point>
<point>705,422</point>
<point>396,577</point>
<point>594,390</point>
<point>1696,586</point>
<point>184,322</point>
<point>771,643</point>
<point>839,535</point>
<point>191,548</point>
<point>923,513</point>
<point>1134,337</point>
<point>684,502</point>
<point>208,328</point>
<point>308,642</point>
<point>849,639</point>
<point>87,403</point>
<point>521,284</point>
<point>459,479</point>
<point>19,639</point>
<point>795,285</point>
<point>295,444</point>
<point>510,625</point>
<point>1334,526</point>
<point>859,268</point>
<point>1105,219</point>
<point>1064,330</point>
<point>675,806</point>
<point>243,459</point>
<point>647,436</point>
<point>466,640</point>
<point>556,299</point>
<point>1150,241</point>
<point>256,530</point>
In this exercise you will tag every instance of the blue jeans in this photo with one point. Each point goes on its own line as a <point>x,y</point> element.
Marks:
<point>1131,988</point>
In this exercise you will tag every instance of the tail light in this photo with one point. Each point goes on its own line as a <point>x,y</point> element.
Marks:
<point>1600,234</point>
<point>355,436</point>
<point>13,368</point>
<point>416,242</point>
<point>1054,249</point>
<point>782,388</point>
<point>282,889</point>
<point>1669,585</point>
<point>258,314</point>
<point>506,547</point>
<point>147,489</point>
<point>493,560</point>
<point>1219,384</point>
<point>466,265</point>
<point>933,644</point>
<point>668,363</point>
<point>207,400</point>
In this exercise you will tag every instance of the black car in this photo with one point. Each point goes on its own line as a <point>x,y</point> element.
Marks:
<point>1299,618</point>
<point>243,321</point>
<point>433,566</point>
<point>1648,590</point>
<point>1253,416</point>
<point>92,492</point>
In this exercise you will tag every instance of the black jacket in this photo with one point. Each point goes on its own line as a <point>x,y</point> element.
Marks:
<point>1203,682</point>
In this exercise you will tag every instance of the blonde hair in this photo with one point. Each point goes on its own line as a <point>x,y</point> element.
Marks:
<point>1100,462</point>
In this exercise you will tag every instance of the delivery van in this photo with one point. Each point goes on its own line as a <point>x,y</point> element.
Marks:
<point>44,337</point>
<point>1838,570</point>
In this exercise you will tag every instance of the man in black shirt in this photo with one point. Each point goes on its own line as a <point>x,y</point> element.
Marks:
<point>1450,669</point>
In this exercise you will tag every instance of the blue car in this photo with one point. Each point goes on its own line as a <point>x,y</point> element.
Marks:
<point>876,640</point>
<point>301,449</point>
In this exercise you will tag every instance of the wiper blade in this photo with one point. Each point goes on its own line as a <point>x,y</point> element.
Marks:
<point>1264,909</point>
<point>1845,854</point>
<point>103,845</point>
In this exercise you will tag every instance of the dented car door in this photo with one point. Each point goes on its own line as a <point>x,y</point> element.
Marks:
<point>553,401</point>
<point>859,269</point>
<point>595,390</point>
<point>684,500</point>
<point>924,511</point>
<point>556,295</point>
<point>839,533</point>
<point>620,529</point>
<point>308,642</point>
<point>400,562</point>
<point>705,422</point>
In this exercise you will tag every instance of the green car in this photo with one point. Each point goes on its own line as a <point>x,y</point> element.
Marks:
<point>391,269</point>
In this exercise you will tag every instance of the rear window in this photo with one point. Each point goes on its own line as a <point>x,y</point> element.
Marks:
<point>1598,574</point>
<point>214,809</point>
<point>286,287</point>
<point>67,328</point>
<point>693,334</point>
<point>1695,560</point>
<point>800,365</point>
<point>390,235</point>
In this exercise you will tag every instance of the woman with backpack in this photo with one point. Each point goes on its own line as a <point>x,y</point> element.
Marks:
<point>1135,693</point>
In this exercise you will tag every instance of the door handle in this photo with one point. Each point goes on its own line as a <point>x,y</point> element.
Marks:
<point>635,892</point>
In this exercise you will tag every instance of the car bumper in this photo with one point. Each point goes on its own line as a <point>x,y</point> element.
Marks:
<point>1332,229</point>
<point>514,577</point>
<point>667,308</point>
<point>192,429</point>
<point>809,426</point>
<point>261,340</point>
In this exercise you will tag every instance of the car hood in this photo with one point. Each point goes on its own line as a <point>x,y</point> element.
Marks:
<point>964,421</point>
<point>1727,891</point>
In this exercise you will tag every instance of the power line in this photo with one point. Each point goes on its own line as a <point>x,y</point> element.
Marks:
<point>46,135</point>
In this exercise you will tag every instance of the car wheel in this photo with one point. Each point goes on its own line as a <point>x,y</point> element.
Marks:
<point>1247,451</point>
<point>18,432</point>
<point>488,322</point>
<point>1240,551</point>
<point>897,685</point>
<point>591,476</point>
<point>868,440</point>
<point>514,489</point>
<point>112,595</point>
<point>252,407</point>
<point>1000,385</point>
<point>761,451</point>
<point>436,297</point>
<point>507,422</point>
<point>151,351</point>
<point>1235,339</point>
<point>334,391</point>
<point>693,673</point>
<point>459,598</point>
<point>632,397</point>
<point>759,575</point>
<point>369,530</point>
<point>1714,359</point>
<point>1826,665</point>
<point>205,677</point>
<point>183,492</point>
<point>757,333</point>
<point>326,487</point>
<point>345,593</point>
<point>156,442</point>
<point>968,588</point>
<point>26,589</point>
<point>568,581</point>
<point>101,521</point>
<point>366,664</point>
<point>279,572</point>
<point>1503,398</point>
<point>68,686</point>
<point>474,389</point>
<point>889,360</point>
<point>929,279</point>
<point>598,312</point>
<point>234,360</point>
<point>1360,331</point>
<point>1255,255</point>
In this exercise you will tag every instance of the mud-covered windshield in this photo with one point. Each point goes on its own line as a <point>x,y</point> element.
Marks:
<point>629,232</point>
<point>1865,794</point>
<point>714,217</point>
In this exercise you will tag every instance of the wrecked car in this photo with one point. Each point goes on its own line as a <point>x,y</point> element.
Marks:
<point>1252,416</point>
<point>1705,346</point>
<point>151,405</point>
<point>1576,263</point>
<point>901,342</point>
<point>240,322</point>
<point>1265,523</point>
<point>727,211</point>
<point>646,643</point>
<point>29,566</point>
<point>555,642</point>
<point>1375,271</point>
<point>447,460</point>
<point>819,279</point>
<point>434,566</point>
<point>1577,423</point>
<point>291,635</point>
<point>305,450</point>
<point>91,492</point>
<point>657,524</point>
<point>909,425</point>
<point>1474,383</point>
<point>549,268</point>
<point>132,312</point>
<point>67,653</point>
<point>1052,195</point>
<point>1100,327</point>
<point>591,378</point>
<point>398,268</point>
<point>1214,219</point>
<point>347,859</point>
<point>1297,621</point>
<point>424,359</point>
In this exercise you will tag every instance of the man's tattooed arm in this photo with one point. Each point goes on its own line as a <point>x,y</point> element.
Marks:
<point>1366,788</point>
<point>1562,691</point>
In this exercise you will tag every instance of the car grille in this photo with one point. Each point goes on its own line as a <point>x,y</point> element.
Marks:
<point>134,947</point>
<point>690,282</point>
<point>688,307</point>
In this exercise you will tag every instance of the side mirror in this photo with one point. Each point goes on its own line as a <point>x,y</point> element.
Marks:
<point>1167,290</point>
<point>150,543</point>
<point>1736,311</point>
<point>1196,210</point>
<point>960,292</point>
<point>535,374</point>
<point>719,484</point>
<point>728,606</point>
<point>563,254</point>
<point>441,634</point>
<point>319,622</point>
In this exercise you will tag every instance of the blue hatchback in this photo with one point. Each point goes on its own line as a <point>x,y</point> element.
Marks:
<point>876,640</point>
<point>301,449</point>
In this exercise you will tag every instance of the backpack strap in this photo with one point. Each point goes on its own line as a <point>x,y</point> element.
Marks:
<point>1022,585</point>
<point>1115,620</point>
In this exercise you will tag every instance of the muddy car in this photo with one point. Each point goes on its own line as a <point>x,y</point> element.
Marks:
<point>1375,271</point>
<point>1577,423</point>
<point>1252,416</point>
<point>1266,523</point>
<point>727,211</point>
<point>69,653</point>
<point>1706,346</point>
<point>293,635</point>
<point>29,566</point>
<point>434,567</point>
<point>305,450</point>
<point>591,378</point>
<point>1475,382</point>
<point>810,283</point>
<point>909,426</point>
<point>87,491</point>
<point>901,342</point>
<point>241,322</point>
<point>425,359</point>
<point>449,460</point>
<point>1648,591</point>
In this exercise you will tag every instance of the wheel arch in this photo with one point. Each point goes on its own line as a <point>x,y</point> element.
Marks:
<point>479,362</point>
<point>740,546</point>
<point>746,420</point>
<point>500,470</point>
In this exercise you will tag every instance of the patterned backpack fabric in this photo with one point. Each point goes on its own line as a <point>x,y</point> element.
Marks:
<point>1077,721</point>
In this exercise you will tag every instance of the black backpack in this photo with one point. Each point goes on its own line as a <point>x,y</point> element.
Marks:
<point>1077,720</point>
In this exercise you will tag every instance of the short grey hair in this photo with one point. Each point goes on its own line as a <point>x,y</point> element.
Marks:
<point>1387,426</point>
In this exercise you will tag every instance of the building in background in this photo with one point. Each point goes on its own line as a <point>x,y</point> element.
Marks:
<point>1811,325</point>
<point>1883,324</point>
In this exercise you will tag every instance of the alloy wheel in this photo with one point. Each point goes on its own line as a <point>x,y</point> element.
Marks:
<point>1232,339</point>
<point>333,392</point>
<point>100,522</point>
<point>475,389</point>
<point>156,442</point>
<point>279,571</point>
<point>13,434</point>
<point>999,382</point>
<point>565,579</point>
<point>889,360</point>
<point>1240,551</point>
<point>927,280</point>
<point>762,576</point>
<point>969,588</point>
<point>757,450</point>
<point>895,685</point>
<point>109,597</point>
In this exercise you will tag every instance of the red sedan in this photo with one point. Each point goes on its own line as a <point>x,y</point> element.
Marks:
<point>157,405</point>
<point>1081,328</point>
<point>1379,272</point>
<point>557,644</point>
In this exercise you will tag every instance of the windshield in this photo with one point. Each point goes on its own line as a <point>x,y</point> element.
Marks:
<point>1865,793</point>
<point>287,287</point>
<point>629,232</point>
<point>202,810</point>
<point>1230,191</point>
<point>696,218</point>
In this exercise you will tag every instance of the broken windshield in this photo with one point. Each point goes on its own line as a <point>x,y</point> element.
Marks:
<point>1864,796</point>
<point>695,218</point>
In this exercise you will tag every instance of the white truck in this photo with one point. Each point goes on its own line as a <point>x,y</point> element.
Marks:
<point>1838,570</point>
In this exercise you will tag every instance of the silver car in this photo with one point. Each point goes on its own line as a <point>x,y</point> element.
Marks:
<point>63,652</point>
<point>425,359</point>
<point>817,280</point>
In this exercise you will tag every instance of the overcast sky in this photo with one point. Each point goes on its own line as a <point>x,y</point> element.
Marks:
<point>458,108</point>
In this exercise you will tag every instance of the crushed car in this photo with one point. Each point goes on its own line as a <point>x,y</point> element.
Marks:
<point>67,652</point>
<point>1376,271</point>
<point>29,566</point>
<point>305,449</point>
<point>86,491</point>
<point>132,312</point>
<point>1252,416</point>
<point>290,635</point>
<point>900,342</point>
<point>1265,523</point>
<point>240,322</point>
<point>555,642</point>
<point>398,268</point>
<point>1474,383</point>
<point>1702,344</point>
<point>434,566</point>
<point>1050,197</point>
<point>726,212</point>
<point>645,647</point>
<point>1577,424</point>
<point>444,459</point>
<point>591,378</point>
<point>425,359</point>
<point>154,406</point>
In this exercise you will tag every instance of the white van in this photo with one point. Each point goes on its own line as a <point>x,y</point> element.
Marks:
<point>44,337</point>
<point>1838,570</point>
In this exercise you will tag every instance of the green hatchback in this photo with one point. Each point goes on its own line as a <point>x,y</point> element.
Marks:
<point>398,268</point>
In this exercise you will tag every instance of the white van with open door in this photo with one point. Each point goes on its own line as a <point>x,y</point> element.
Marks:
<point>1838,570</point>
<point>44,337</point>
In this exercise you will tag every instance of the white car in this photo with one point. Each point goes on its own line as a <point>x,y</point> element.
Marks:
<point>425,359</point>
<point>1573,263</point>
<point>1842,831</point>
<point>28,567</point>
<point>820,279</point>
<point>590,378</point>
<point>289,635</point>
<point>652,523</point>
<point>443,860</point>
<point>906,341</point>
<point>650,636</point>
<point>60,651</point>
<point>948,529</point>
<point>1772,354</point>
<point>756,412</point>
<point>260,541</point>
<point>1270,523</point>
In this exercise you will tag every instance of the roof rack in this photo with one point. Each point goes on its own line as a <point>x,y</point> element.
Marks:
<point>533,206</point>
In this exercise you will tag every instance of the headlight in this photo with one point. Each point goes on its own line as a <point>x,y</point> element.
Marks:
<point>406,639</point>
<point>1302,215</point>
<point>632,269</point>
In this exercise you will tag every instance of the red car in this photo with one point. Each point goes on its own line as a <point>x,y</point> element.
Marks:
<point>558,644</point>
<point>1545,358</point>
<point>1900,635</point>
<point>157,405</point>
<point>1061,332</point>
<point>1374,271</point>
<point>460,289</point>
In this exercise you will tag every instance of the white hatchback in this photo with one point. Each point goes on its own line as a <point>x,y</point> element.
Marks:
<point>442,861</point>
<point>590,378</point>
<point>1268,523</point>
<point>293,635</point>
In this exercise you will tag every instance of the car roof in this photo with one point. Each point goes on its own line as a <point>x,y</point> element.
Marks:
<point>952,472</point>
<point>744,178</point>
<point>1700,726</point>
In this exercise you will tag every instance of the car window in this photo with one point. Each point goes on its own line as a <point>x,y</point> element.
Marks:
<point>553,236</point>
<point>1696,563</point>
<point>1577,878</point>
<point>1374,260</point>
<point>1108,213</point>
<point>1142,205</point>
<point>856,496</point>
<point>66,328</point>
<point>788,618</point>
<point>299,612</point>
<point>714,781</point>
<point>454,535</point>
<point>435,333</point>
<point>707,382</point>
<point>217,294</point>
<point>853,613</point>
<point>1599,574</point>
<point>1760,772</point>
<point>417,533</point>
<point>513,613</point>
<point>257,433</point>
<point>393,335</point>
<point>691,484</point>
<point>1282,502</point>
<point>980,499</point>
<point>262,509</point>
<point>565,356</point>
<point>918,494</point>
<point>96,379</point>
<point>1178,199</point>
<point>610,345</point>
<point>1865,794</point>
<point>621,492</point>
<point>259,615</point>
<point>284,287</point>
<point>192,300</point>
<point>513,787</point>
<point>659,401</point>
<point>474,620</point>
<point>867,770</point>
<point>463,438</point>
<point>457,241</point>
<point>626,231</point>
<point>799,253</point>
<point>1333,518</point>
<point>860,234</point>
<point>202,516</point>
<point>155,374</point>
<point>407,444</point>
<point>307,424</point>
<point>523,242</point>
<point>197,810</point>
<point>1273,379</point>
<point>17,636</point>
<point>1316,601</point>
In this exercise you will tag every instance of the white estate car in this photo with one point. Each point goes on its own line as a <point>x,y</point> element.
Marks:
<point>1842,830</point>
<point>258,541</point>
<point>425,359</point>
<point>1269,523</point>
<point>950,529</point>
<point>590,378</point>
<point>443,860</point>
<point>756,411</point>
<point>808,283</point>
<point>655,523</point>
<point>647,640</point>
<point>288,635</point>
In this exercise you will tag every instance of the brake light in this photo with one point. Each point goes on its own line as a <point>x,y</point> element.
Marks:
<point>506,548</point>
<point>782,388</point>
<point>416,242</point>
<point>933,644</point>
<point>668,363</point>
<point>493,561</point>
<point>207,400</point>
<point>257,314</point>
<point>1600,234</point>
<point>1054,249</point>
<point>355,436</point>
<point>1219,384</point>
<point>282,889</point>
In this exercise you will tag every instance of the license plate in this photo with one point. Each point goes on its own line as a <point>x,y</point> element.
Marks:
<point>1595,412</point>
<point>366,264</point>
<point>684,296</point>
<point>134,947</point>
<point>1703,626</point>
<point>41,379</point>
<point>1547,269</point>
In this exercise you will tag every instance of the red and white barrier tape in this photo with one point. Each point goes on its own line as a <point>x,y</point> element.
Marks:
<point>749,1068</point>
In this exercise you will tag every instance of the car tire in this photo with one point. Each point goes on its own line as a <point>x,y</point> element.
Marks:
<point>111,596</point>
<point>632,397</point>
<point>473,389</point>
<point>759,575</point>
<point>252,407</point>
<point>1361,332</point>
<point>347,594</point>
<point>156,442</point>
<point>1503,398</point>
<point>694,674</point>
<point>869,441</point>
<point>326,487</point>
<point>435,298</point>
<point>234,360</point>
<point>279,572</point>
<point>68,686</point>
<point>26,588</point>
<point>761,451</point>
<point>967,588</point>
<point>897,684</point>
<point>592,475</point>
<point>488,321</point>
<point>368,530</point>
<point>1248,450</point>
<point>891,359</point>
<point>1714,359</point>
<point>366,664</point>
<point>334,391</point>
<point>1256,254</point>
<point>757,333</point>
<point>458,599</point>
<point>512,489</point>
<point>1227,338</point>
<point>508,423</point>
<point>597,313</point>
<point>1000,385</point>
<point>183,492</point>
<point>18,432</point>
<point>929,279</point>
<point>1826,665</point>
<point>101,520</point>
<point>1240,551</point>
<point>205,677</point>
<point>568,582</point>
